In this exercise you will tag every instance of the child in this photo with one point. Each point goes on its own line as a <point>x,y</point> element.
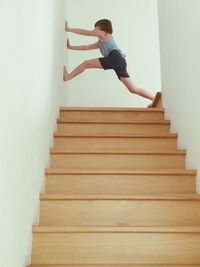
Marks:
<point>113,57</point>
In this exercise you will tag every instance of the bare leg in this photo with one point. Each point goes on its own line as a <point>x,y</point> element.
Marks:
<point>136,90</point>
<point>93,63</point>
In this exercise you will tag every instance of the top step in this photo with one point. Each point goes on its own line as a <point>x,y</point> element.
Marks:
<point>121,115</point>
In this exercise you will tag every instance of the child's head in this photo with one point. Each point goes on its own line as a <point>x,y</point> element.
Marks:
<point>105,25</point>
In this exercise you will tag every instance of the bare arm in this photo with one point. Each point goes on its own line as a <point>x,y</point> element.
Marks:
<point>95,32</point>
<point>82,47</point>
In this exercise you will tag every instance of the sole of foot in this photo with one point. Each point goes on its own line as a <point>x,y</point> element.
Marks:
<point>65,74</point>
<point>66,25</point>
<point>155,100</point>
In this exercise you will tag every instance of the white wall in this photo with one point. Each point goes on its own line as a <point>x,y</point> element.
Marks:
<point>31,88</point>
<point>135,24</point>
<point>180,64</point>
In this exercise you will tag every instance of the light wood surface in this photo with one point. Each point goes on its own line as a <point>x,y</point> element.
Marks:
<point>123,184</point>
<point>115,144</point>
<point>129,129</point>
<point>118,161</point>
<point>188,197</point>
<point>114,265</point>
<point>164,172</point>
<point>116,229</point>
<point>116,212</point>
<point>110,109</point>
<point>117,193</point>
<point>154,136</point>
<point>111,115</point>
<point>116,248</point>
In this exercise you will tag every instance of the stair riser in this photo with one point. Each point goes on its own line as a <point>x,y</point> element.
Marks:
<point>120,184</point>
<point>119,213</point>
<point>116,162</point>
<point>116,248</point>
<point>112,129</point>
<point>114,144</point>
<point>110,116</point>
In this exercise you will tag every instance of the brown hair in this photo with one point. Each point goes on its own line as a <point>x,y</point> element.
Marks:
<point>105,25</point>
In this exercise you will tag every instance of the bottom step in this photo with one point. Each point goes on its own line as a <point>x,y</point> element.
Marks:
<point>115,265</point>
<point>133,246</point>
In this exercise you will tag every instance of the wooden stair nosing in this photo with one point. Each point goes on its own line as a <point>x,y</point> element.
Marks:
<point>64,135</point>
<point>115,229</point>
<point>112,109</point>
<point>114,265</point>
<point>175,152</point>
<point>149,122</point>
<point>178,172</point>
<point>172,197</point>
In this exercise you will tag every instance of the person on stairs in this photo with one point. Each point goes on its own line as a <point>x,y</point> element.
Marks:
<point>113,57</point>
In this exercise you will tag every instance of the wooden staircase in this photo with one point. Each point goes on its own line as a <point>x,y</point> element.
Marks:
<point>117,193</point>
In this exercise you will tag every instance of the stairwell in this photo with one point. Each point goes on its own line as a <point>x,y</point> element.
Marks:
<point>117,193</point>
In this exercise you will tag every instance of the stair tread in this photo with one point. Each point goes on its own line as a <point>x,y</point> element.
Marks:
<point>120,197</point>
<point>115,229</point>
<point>114,109</point>
<point>113,265</point>
<point>170,135</point>
<point>127,172</point>
<point>114,122</point>
<point>173,152</point>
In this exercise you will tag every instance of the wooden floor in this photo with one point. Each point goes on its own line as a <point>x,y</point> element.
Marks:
<point>118,193</point>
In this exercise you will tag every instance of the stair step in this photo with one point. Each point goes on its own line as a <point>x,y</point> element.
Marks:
<point>177,172</point>
<point>116,245</point>
<point>143,152</point>
<point>115,210</point>
<point>187,197</point>
<point>110,109</point>
<point>126,137</point>
<point>115,144</point>
<point>111,114</point>
<point>122,160</point>
<point>116,229</point>
<point>118,193</point>
<point>113,265</point>
<point>117,129</point>
<point>61,181</point>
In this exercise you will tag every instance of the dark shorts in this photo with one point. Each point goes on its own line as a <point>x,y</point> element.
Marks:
<point>116,62</point>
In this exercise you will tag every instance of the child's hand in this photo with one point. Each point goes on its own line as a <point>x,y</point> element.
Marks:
<point>66,26</point>
<point>68,43</point>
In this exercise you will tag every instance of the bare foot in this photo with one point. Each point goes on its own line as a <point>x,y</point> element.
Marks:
<point>68,43</point>
<point>66,26</point>
<point>150,105</point>
<point>65,74</point>
<point>154,101</point>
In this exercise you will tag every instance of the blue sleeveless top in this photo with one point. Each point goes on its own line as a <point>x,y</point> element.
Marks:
<point>108,46</point>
